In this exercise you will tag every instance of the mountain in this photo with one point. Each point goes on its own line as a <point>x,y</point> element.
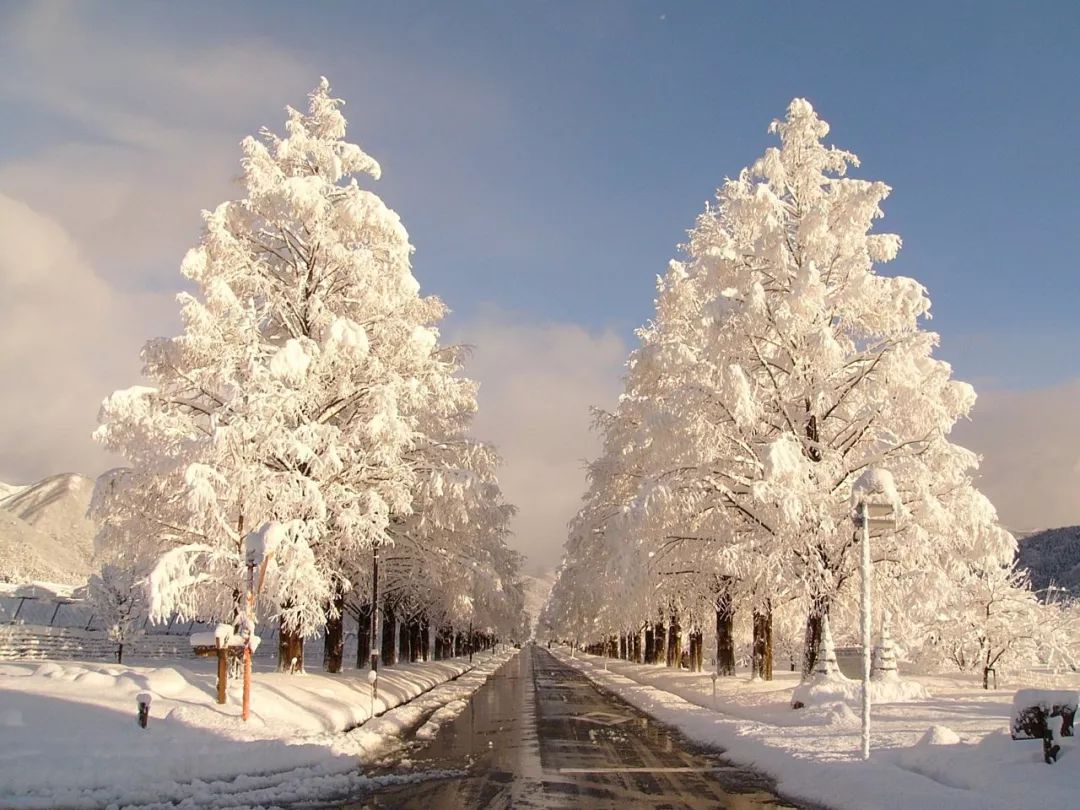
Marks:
<point>44,532</point>
<point>6,490</point>
<point>1052,557</point>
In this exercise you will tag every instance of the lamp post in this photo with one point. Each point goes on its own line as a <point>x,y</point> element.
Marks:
<point>373,673</point>
<point>247,628</point>
<point>874,494</point>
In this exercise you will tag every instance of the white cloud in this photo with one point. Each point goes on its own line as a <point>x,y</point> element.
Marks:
<point>1030,443</point>
<point>67,339</point>
<point>151,130</point>
<point>96,217</point>
<point>537,385</point>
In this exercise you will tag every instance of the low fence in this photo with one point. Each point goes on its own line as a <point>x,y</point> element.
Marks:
<point>37,642</point>
<point>40,642</point>
<point>39,621</point>
<point>38,624</point>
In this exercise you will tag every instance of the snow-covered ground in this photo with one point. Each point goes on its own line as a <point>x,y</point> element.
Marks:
<point>69,737</point>
<point>813,752</point>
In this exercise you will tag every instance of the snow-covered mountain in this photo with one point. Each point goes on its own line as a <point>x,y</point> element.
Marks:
<point>44,532</point>
<point>1052,557</point>
<point>7,490</point>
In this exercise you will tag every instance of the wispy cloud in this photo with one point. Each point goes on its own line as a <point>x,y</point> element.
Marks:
<point>149,131</point>
<point>66,339</point>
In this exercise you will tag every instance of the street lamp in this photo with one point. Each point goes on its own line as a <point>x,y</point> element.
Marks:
<point>874,496</point>
<point>373,674</point>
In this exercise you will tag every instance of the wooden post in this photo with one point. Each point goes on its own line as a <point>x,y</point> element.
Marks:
<point>222,671</point>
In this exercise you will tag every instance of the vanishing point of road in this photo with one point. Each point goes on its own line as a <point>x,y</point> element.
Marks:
<point>539,734</point>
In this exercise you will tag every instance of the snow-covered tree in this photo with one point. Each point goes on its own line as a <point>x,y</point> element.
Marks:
<point>295,392</point>
<point>993,621</point>
<point>801,366</point>
<point>779,366</point>
<point>118,598</point>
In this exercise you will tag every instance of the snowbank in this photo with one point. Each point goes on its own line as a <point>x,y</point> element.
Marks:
<point>968,763</point>
<point>836,688</point>
<point>293,748</point>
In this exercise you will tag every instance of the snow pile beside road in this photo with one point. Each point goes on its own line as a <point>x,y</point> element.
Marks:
<point>822,691</point>
<point>998,765</point>
<point>84,716</point>
<point>968,763</point>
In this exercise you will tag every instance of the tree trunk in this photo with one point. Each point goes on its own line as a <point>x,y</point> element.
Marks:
<point>674,644</point>
<point>414,641</point>
<point>650,644</point>
<point>403,641</point>
<point>363,636</point>
<point>120,653</point>
<point>763,652</point>
<point>389,637</point>
<point>812,642</point>
<point>290,649</point>
<point>637,647</point>
<point>660,651</point>
<point>444,643</point>
<point>334,634</point>
<point>725,635</point>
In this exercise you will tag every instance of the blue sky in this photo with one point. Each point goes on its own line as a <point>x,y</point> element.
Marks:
<point>548,157</point>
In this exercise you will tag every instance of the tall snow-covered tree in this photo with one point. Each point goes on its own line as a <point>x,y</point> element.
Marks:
<point>781,364</point>
<point>296,389</point>
<point>808,367</point>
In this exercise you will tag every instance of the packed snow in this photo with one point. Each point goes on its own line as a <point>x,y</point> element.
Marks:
<point>951,751</point>
<point>310,737</point>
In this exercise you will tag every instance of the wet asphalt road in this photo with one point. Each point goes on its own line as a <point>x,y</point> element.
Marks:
<point>540,735</point>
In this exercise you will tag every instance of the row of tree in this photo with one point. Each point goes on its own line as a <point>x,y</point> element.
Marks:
<point>779,366</point>
<point>309,389</point>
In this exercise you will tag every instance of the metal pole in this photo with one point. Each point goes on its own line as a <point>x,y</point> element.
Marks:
<point>245,709</point>
<point>865,630</point>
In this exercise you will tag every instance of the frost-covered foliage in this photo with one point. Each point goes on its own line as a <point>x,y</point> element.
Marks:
<point>779,367</point>
<point>994,624</point>
<point>307,388</point>
<point>118,598</point>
